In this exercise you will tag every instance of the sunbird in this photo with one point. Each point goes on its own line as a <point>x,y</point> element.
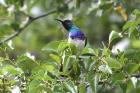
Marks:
<point>75,35</point>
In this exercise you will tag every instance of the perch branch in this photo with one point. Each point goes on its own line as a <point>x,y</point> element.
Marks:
<point>31,19</point>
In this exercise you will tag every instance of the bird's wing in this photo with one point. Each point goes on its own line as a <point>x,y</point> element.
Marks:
<point>85,41</point>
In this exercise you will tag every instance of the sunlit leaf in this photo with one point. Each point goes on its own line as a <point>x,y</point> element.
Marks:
<point>29,55</point>
<point>55,57</point>
<point>71,48</point>
<point>16,89</point>
<point>52,46</point>
<point>82,88</point>
<point>50,68</point>
<point>105,69</point>
<point>129,24</point>
<point>70,86</point>
<point>63,45</point>
<point>136,12</point>
<point>10,44</point>
<point>114,35</point>
<point>12,70</point>
<point>135,43</point>
<point>68,63</point>
<point>92,79</point>
<point>88,51</point>
<point>134,81</point>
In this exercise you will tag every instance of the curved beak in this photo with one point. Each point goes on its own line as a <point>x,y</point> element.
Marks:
<point>59,20</point>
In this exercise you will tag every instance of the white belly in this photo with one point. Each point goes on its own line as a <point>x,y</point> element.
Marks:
<point>80,44</point>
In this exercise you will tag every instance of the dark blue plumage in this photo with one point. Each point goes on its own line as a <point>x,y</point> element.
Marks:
<point>75,35</point>
<point>75,32</point>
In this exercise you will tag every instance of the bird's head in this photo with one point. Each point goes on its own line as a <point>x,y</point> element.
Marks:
<point>67,24</point>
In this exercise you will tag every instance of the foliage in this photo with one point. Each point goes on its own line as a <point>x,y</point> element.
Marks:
<point>35,58</point>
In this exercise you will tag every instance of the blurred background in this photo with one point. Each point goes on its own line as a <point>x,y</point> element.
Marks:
<point>96,18</point>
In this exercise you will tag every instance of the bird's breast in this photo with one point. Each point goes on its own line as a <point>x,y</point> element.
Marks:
<point>79,43</point>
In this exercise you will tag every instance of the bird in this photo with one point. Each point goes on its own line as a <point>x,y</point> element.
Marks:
<point>75,35</point>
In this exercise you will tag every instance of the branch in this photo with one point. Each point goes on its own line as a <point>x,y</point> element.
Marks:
<point>31,19</point>
<point>51,12</point>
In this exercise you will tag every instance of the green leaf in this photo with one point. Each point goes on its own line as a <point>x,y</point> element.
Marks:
<point>82,88</point>
<point>42,71</point>
<point>59,88</point>
<point>50,68</point>
<point>69,47</point>
<point>68,61</point>
<point>105,69</point>
<point>118,77</point>
<point>132,55</point>
<point>5,29</point>
<point>93,81</point>
<point>136,12</point>
<point>106,51</point>
<point>25,63</point>
<point>131,68</point>
<point>35,86</point>
<point>55,57</point>
<point>113,63</point>
<point>129,52</point>
<point>12,70</point>
<point>128,25</point>
<point>63,45</point>
<point>88,51</point>
<point>114,35</point>
<point>70,86</point>
<point>52,46</point>
<point>135,43</point>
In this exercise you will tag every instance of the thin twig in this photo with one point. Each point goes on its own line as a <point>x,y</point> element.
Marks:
<point>51,12</point>
<point>31,19</point>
